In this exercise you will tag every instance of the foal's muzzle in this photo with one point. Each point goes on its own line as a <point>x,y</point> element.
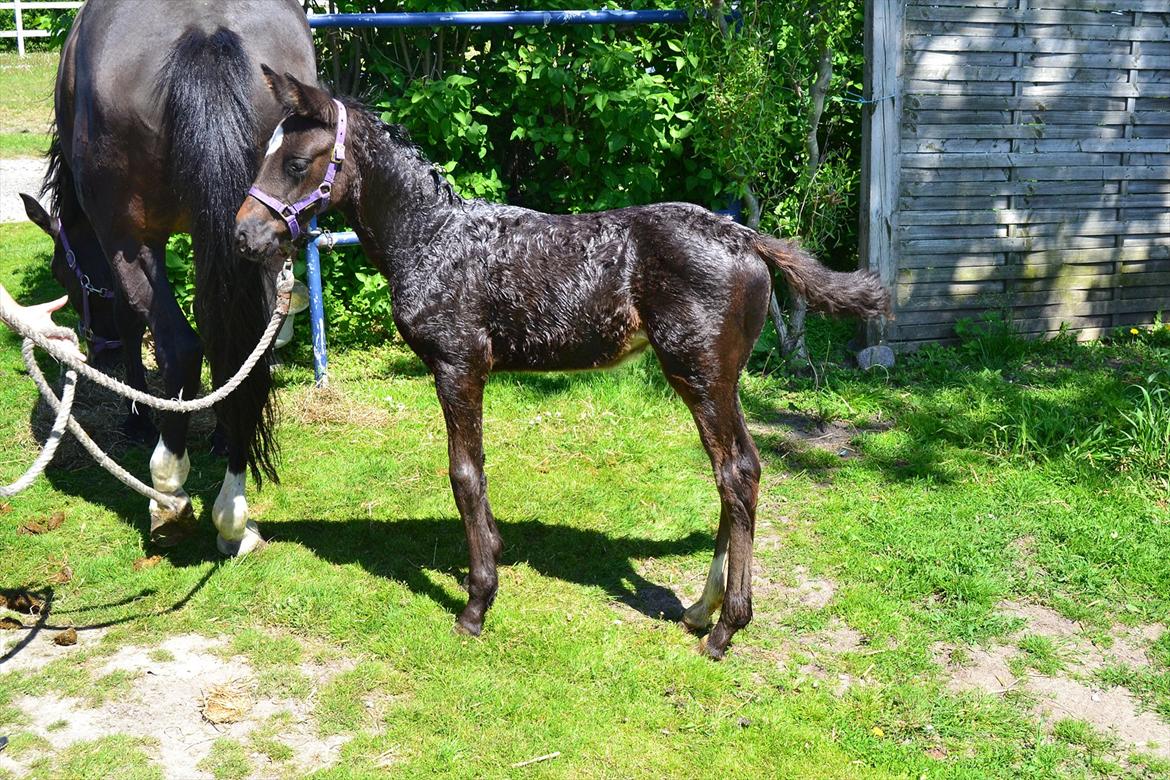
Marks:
<point>261,239</point>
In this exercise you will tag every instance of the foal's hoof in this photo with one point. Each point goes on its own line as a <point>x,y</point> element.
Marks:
<point>710,650</point>
<point>697,619</point>
<point>250,542</point>
<point>168,526</point>
<point>466,627</point>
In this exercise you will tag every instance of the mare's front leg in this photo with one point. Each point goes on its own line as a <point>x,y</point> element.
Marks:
<point>131,327</point>
<point>460,390</point>
<point>141,271</point>
<point>237,534</point>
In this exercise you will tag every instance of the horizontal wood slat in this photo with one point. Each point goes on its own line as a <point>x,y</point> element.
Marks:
<point>1033,164</point>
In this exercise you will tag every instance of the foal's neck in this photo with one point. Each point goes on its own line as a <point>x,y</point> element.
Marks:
<point>403,199</point>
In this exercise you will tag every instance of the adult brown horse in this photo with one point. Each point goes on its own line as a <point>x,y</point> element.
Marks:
<point>478,287</point>
<point>160,113</point>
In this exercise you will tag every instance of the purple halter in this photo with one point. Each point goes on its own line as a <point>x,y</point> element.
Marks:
<point>290,212</point>
<point>83,328</point>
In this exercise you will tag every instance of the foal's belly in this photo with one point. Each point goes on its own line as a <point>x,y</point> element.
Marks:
<point>597,340</point>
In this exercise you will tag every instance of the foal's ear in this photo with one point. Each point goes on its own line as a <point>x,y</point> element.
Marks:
<point>36,212</point>
<point>280,88</point>
<point>299,98</point>
<point>312,102</point>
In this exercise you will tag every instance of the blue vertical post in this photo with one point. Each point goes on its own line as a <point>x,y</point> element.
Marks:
<point>316,308</point>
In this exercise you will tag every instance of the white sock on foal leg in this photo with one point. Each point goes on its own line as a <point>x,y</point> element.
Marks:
<point>699,615</point>
<point>237,534</point>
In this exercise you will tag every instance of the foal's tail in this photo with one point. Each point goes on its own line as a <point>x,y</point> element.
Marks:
<point>211,127</point>
<point>833,292</point>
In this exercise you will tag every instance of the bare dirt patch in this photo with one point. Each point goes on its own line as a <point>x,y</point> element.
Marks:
<point>171,687</point>
<point>40,649</point>
<point>1071,692</point>
<point>803,431</point>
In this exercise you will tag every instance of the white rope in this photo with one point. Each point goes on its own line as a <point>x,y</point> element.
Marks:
<point>105,461</point>
<point>63,405</point>
<point>50,449</point>
<point>284,285</point>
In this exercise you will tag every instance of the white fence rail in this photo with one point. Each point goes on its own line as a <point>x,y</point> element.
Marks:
<point>19,7</point>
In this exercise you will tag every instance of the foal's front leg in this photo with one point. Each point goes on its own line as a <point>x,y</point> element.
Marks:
<point>460,392</point>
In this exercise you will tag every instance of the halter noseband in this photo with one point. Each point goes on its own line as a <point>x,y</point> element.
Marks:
<point>97,342</point>
<point>290,212</point>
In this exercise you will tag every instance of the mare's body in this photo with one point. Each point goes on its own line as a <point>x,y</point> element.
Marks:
<point>161,115</point>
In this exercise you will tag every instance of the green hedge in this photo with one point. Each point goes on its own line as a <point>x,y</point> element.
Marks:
<point>584,118</point>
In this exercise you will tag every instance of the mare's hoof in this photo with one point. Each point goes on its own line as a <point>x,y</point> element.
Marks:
<point>250,542</point>
<point>168,526</point>
<point>467,628</point>
<point>710,650</point>
<point>696,619</point>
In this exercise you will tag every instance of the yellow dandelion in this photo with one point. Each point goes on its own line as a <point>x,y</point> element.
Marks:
<point>877,732</point>
<point>1134,331</point>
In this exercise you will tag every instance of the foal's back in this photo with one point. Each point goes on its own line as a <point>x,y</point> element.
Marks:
<point>565,292</point>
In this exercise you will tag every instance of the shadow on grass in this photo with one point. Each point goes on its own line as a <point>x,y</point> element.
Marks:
<point>45,612</point>
<point>402,549</point>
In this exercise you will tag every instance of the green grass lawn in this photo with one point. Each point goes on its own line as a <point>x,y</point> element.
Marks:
<point>26,102</point>
<point>995,472</point>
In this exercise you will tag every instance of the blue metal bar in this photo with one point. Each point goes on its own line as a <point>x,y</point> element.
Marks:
<point>316,309</point>
<point>327,241</point>
<point>496,18</point>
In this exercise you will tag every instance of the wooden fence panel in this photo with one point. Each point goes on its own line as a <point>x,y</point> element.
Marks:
<point>1028,150</point>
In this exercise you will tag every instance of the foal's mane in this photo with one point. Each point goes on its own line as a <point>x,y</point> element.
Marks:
<point>404,146</point>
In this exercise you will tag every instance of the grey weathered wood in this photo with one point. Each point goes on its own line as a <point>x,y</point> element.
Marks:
<point>1033,164</point>
<point>880,150</point>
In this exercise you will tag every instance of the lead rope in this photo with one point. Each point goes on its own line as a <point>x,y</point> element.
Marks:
<point>63,405</point>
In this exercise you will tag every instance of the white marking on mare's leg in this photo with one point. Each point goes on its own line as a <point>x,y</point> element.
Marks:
<point>167,470</point>
<point>276,141</point>
<point>698,616</point>
<point>237,534</point>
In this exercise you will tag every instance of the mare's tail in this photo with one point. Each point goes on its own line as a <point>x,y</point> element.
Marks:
<point>833,292</point>
<point>211,127</point>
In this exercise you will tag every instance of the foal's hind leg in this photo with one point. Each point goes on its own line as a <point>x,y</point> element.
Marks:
<point>698,616</point>
<point>138,426</point>
<point>737,475</point>
<point>461,396</point>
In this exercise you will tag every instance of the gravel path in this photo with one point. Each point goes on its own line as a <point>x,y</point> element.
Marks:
<point>17,176</point>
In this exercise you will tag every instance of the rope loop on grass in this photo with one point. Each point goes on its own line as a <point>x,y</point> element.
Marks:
<point>63,404</point>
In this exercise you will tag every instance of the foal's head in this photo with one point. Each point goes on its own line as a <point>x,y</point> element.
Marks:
<point>80,266</point>
<point>303,172</point>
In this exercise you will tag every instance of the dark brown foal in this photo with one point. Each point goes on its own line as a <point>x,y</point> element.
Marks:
<point>479,287</point>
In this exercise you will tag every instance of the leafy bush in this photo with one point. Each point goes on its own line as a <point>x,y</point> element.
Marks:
<point>568,119</point>
<point>55,21</point>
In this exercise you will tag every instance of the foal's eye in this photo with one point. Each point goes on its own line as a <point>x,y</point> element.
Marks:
<point>297,167</point>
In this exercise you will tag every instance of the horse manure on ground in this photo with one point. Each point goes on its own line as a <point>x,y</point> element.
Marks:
<point>36,527</point>
<point>147,563</point>
<point>20,600</point>
<point>66,638</point>
<point>10,624</point>
<point>63,575</point>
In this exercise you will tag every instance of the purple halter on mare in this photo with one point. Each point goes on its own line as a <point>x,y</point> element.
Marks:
<point>290,212</point>
<point>83,328</point>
